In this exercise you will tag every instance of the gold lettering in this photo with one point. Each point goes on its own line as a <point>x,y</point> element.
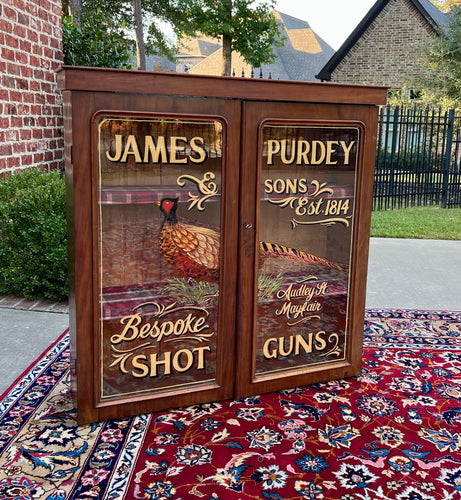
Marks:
<point>201,356</point>
<point>282,350</point>
<point>347,150</point>
<point>177,365</point>
<point>159,149</point>
<point>131,148</point>
<point>301,341</point>
<point>267,353</point>
<point>291,186</point>
<point>154,151</point>
<point>320,342</point>
<point>181,361</point>
<point>302,186</point>
<point>273,147</point>
<point>331,151</point>
<point>154,362</point>
<point>176,149</point>
<point>140,366</point>
<point>133,322</point>
<point>268,184</point>
<point>118,149</point>
<point>318,152</point>
<point>194,144</point>
<point>321,288</point>
<point>295,345</point>
<point>283,152</point>
<point>158,330</point>
<point>303,150</point>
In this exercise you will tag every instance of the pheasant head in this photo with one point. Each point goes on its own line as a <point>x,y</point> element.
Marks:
<point>168,207</point>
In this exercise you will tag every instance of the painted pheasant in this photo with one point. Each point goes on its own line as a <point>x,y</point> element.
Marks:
<point>194,250</point>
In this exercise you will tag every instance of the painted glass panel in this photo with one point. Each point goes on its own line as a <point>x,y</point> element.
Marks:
<point>159,211</point>
<point>308,182</point>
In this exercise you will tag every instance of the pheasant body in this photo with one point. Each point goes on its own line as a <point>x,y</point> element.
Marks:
<point>195,250</point>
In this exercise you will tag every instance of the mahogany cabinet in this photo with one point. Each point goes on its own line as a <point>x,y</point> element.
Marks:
<point>218,235</point>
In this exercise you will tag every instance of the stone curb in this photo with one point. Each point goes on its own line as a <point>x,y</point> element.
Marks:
<point>42,305</point>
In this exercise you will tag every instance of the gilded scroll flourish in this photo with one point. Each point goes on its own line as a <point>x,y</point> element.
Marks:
<point>206,187</point>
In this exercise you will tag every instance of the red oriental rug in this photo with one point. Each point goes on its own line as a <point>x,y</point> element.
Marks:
<point>392,433</point>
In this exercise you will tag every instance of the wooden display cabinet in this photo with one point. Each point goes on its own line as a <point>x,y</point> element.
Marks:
<point>218,235</point>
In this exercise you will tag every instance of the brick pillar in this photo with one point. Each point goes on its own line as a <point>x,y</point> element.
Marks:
<point>30,104</point>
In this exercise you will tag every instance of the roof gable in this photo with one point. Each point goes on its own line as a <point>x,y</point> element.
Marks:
<point>301,56</point>
<point>430,13</point>
<point>292,23</point>
<point>199,46</point>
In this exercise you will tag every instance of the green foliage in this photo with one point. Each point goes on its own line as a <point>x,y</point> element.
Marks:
<point>248,26</point>
<point>33,245</point>
<point>187,292</point>
<point>445,5</point>
<point>250,29</point>
<point>431,222</point>
<point>267,286</point>
<point>155,13</point>
<point>442,82</point>
<point>96,41</point>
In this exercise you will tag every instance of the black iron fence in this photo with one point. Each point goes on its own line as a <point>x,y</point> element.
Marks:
<point>418,158</point>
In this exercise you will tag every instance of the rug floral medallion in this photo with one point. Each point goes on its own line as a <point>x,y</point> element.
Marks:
<point>392,433</point>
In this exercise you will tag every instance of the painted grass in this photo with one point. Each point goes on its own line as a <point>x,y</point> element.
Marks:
<point>431,222</point>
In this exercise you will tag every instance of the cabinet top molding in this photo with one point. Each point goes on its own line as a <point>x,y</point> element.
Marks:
<point>248,89</point>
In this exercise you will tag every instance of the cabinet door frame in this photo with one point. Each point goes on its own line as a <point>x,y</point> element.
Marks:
<point>84,259</point>
<point>255,115</point>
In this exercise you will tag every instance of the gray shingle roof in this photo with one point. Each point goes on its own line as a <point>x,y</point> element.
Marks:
<point>158,63</point>
<point>294,64</point>
<point>300,58</point>
<point>440,18</point>
<point>293,23</point>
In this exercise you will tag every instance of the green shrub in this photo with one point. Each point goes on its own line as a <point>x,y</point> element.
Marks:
<point>96,41</point>
<point>33,245</point>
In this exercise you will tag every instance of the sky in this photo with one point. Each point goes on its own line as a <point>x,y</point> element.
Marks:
<point>332,20</point>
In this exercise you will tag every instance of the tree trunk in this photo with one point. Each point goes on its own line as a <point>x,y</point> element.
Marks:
<point>140,48</point>
<point>227,55</point>
<point>227,44</point>
<point>76,9</point>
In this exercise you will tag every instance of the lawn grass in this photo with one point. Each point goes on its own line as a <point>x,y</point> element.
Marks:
<point>431,222</point>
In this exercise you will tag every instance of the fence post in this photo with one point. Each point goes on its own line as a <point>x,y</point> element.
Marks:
<point>395,135</point>
<point>447,158</point>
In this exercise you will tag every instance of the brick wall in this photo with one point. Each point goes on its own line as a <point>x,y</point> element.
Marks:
<point>388,51</point>
<point>30,105</point>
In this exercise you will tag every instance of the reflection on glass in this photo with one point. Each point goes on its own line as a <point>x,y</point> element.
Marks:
<point>308,178</point>
<point>159,251</point>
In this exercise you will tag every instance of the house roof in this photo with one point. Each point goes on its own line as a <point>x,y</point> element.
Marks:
<point>213,65</point>
<point>159,63</point>
<point>301,56</point>
<point>429,11</point>
<point>201,46</point>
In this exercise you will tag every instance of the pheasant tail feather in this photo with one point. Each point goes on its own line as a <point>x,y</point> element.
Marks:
<point>275,250</point>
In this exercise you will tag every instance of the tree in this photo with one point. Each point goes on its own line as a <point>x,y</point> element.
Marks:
<point>72,8</point>
<point>125,15</point>
<point>95,41</point>
<point>445,5</point>
<point>248,28</point>
<point>139,29</point>
<point>442,60</point>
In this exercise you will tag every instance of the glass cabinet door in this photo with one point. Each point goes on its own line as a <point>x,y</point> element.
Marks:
<point>159,252</point>
<point>304,246</point>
